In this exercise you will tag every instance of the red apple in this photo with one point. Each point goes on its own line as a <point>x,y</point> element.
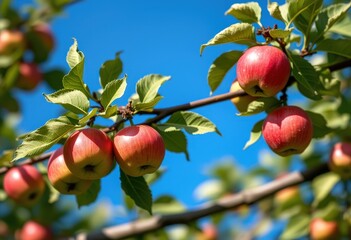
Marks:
<point>24,184</point>
<point>43,31</point>
<point>242,102</point>
<point>139,150</point>
<point>209,232</point>
<point>287,130</point>
<point>263,71</point>
<point>29,76</point>
<point>33,230</point>
<point>62,179</point>
<point>340,159</point>
<point>88,154</point>
<point>323,230</point>
<point>11,41</point>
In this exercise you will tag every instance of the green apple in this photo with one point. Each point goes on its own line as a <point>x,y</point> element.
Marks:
<point>242,102</point>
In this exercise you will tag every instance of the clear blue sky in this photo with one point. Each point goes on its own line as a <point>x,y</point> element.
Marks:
<point>156,37</point>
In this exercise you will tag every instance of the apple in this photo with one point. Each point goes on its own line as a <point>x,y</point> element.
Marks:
<point>24,184</point>
<point>323,230</point>
<point>32,230</point>
<point>263,71</point>
<point>4,230</point>
<point>88,154</point>
<point>287,130</point>
<point>209,232</point>
<point>11,41</point>
<point>29,76</point>
<point>139,150</point>
<point>340,159</point>
<point>44,33</point>
<point>62,179</point>
<point>241,103</point>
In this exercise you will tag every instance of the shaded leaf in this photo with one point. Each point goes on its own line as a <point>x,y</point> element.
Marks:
<point>74,79</point>
<point>259,105</point>
<point>322,186</point>
<point>298,226</point>
<point>340,47</point>
<point>175,141</point>
<point>6,158</point>
<point>320,128</point>
<point>279,33</point>
<point>90,195</point>
<point>246,12</point>
<point>255,134</point>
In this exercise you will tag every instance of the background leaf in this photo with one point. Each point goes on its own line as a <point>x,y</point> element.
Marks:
<point>340,47</point>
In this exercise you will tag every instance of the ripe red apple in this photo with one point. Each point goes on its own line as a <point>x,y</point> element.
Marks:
<point>43,31</point>
<point>11,41</point>
<point>287,130</point>
<point>209,232</point>
<point>340,159</point>
<point>323,230</point>
<point>33,230</point>
<point>263,71</point>
<point>139,150</point>
<point>29,76</point>
<point>88,154</point>
<point>62,179</point>
<point>24,184</point>
<point>242,102</point>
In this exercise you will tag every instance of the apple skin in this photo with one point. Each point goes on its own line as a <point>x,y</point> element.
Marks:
<point>24,184</point>
<point>208,232</point>
<point>11,41</point>
<point>263,71</point>
<point>43,31</point>
<point>287,130</point>
<point>62,179</point>
<point>29,76</point>
<point>139,150</point>
<point>323,230</point>
<point>88,154</point>
<point>35,231</point>
<point>340,159</point>
<point>241,103</point>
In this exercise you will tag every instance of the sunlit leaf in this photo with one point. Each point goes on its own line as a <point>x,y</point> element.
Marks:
<point>148,86</point>
<point>340,47</point>
<point>246,12</point>
<point>74,56</point>
<point>110,70</point>
<point>112,91</point>
<point>255,134</point>
<point>175,141</point>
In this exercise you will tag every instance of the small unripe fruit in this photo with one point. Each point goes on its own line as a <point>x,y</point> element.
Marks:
<point>33,230</point>
<point>139,150</point>
<point>242,102</point>
<point>324,230</point>
<point>45,34</point>
<point>287,130</point>
<point>62,179</point>
<point>340,159</point>
<point>263,71</point>
<point>88,154</point>
<point>11,41</point>
<point>24,184</point>
<point>29,76</point>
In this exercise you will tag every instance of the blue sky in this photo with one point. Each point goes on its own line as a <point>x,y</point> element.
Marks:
<point>156,37</point>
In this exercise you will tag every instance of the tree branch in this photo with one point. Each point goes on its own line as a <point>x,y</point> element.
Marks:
<point>246,197</point>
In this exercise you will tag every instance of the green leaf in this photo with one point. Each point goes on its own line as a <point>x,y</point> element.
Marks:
<point>10,78</point>
<point>342,27</point>
<point>72,100</point>
<point>74,56</point>
<point>90,195</point>
<point>54,78</point>
<point>246,12</point>
<point>279,33</point>
<point>147,106</point>
<point>260,105</point>
<point>109,112</point>
<point>6,157</point>
<point>278,12</point>
<point>192,122</point>
<point>112,91</point>
<point>138,190</point>
<point>148,86</point>
<point>340,47</point>
<point>297,227</point>
<point>43,138</point>
<point>110,70</point>
<point>306,76</point>
<point>74,79</point>
<point>241,33</point>
<point>322,186</point>
<point>175,141</point>
<point>220,67</point>
<point>167,204</point>
<point>320,128</point>
<point>297,8</point>
<point>329,16</point>
<point>255,134</point>
<point>87,117</point>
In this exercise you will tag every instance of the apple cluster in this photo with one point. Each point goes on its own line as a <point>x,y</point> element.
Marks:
<point>37,42</point>
<point>264,71</point>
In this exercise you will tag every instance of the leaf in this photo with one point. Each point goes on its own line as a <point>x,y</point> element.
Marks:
<point>148,86</point>
<point>278,12</point>
<point>342,27</point>
<point>320,128</point>
<point>322,186</point>
<point>192,122</point>
<point>112,91</point>
<point>74,56</point>
<point>43,138</point>
<point>297,8</point>
<point>340,47</point>
<point>220,67</point>
<point>175,141</point>
<point>246,12</point>
<point>72,100</point>
<point>90,195</point>
<point>298,226</point>
<point>83,121</point>
<point>167,204</point>
<point>6,157</point>
<point>279,33</point>
<point>147,106</point>
<point>110,70</point>
<point>306,76</point>
<point>138,190</point>
<point>259,105</point>
<point>241,33</point>
<point>54,78</point>
<point>255,134</point>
